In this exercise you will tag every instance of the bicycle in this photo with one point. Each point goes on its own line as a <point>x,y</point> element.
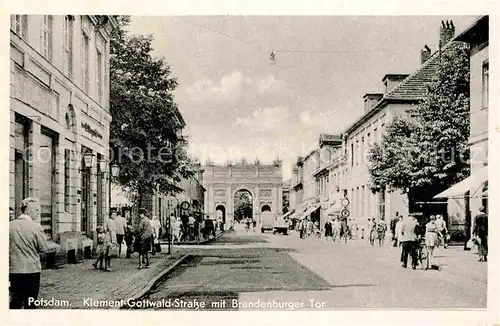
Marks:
<point>423,254</point>
<point>372,237</point>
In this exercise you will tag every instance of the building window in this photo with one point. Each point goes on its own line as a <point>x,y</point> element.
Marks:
<point>21,165</point>
<point>86,204</point>
<point>100,77</point>
<point>67,180</point>
<point>19,24</point>
<point>85,62</point>
<point>352,154</point>
<point>47,179</point>
<point>46,37</point>
<point>485,84</point>
<point>68,45</point>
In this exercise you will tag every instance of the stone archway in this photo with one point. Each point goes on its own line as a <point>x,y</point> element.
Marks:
<point>264,182</point>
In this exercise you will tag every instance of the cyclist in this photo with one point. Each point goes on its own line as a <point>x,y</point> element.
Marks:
<point>381,229</point>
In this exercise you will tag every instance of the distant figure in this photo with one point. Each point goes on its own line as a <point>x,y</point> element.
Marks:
<point>442,230</point>
<point>26,241</point>
<point>394,221</point>
<point>381,229</point>
<point>328,229</point>
<point>480,231</point>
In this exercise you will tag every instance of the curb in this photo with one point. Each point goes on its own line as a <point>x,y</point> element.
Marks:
<point>201,242</point>
<point>156,280</point>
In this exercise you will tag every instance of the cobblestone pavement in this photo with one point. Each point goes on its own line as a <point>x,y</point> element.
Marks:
<point>75,282</point>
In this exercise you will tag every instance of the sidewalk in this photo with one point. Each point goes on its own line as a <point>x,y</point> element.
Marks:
<point>75,282</point>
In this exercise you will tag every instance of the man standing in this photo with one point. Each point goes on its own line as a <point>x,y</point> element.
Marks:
<point>394,221</point>
<point>409,241</point>
<point>480,231</point>
<point>173,232</point>
<point>191,222</point>
<point>442,229</point>
<point>120,226</point>
<point>26,241</point>
<point>144,234</point>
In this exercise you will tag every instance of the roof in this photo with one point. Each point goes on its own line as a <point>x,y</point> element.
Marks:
<point>412,89</point>
<point>327,139</point>
<point>477,33</point>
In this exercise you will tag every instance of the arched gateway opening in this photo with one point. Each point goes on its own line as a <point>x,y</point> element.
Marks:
<point>243,205</point>
<point>221,213</point>
<point>265,208</point>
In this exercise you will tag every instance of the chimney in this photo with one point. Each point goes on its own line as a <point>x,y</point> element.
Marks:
<point>392,80</point>
<point>425,54</point>
<point>370,100</point>
<point>446,32</point>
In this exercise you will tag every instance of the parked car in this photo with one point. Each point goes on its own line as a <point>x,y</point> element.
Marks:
<point>267,221</point>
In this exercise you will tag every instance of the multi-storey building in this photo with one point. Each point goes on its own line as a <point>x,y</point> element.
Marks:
<point>59,114</point>
<point>401,93</point>
<point>471,193</point>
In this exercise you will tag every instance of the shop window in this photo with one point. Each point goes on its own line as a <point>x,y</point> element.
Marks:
<point>485,82</point>
<point>21,165</point>
<point>85,204</point>
<point>100,201</point>
<point>46,158</point>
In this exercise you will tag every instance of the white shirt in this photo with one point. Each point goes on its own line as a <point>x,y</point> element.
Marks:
<point>398,229</point>
<point>120,225</point>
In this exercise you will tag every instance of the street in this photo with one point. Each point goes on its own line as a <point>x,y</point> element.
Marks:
<point>319,274</point>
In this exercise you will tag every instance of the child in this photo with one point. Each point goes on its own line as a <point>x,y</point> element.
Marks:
<point>129,238</point>
<point>101,247</point>
<point>108,242</point>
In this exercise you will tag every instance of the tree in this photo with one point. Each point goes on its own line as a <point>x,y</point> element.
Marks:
<point>145,125</point>
<point>392,161</point>
<point>243,205</point>
<point>428,152</point>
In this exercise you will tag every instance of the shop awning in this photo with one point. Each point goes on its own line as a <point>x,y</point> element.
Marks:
<point>309,211</point>
<point>471,183</point>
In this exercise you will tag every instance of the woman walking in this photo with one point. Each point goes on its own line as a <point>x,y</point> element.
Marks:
<point>431,239</point>
<point>144,233</point>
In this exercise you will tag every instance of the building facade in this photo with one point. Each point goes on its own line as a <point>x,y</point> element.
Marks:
<point>60,117</point>
<point>465,197</point>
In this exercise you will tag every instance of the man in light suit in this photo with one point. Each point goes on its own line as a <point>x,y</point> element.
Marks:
<point>409,241</point>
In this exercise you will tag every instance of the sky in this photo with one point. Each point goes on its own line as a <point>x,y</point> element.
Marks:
<point>236,103</point>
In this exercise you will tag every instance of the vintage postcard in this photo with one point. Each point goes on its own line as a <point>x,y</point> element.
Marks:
<point>269,161</point>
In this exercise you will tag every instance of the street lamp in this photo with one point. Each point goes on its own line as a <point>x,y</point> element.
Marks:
<point>88,159</point>
<point>115,171</point>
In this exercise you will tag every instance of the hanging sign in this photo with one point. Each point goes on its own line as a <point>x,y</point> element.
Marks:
<point>344,201</point>
<point>344,213</point>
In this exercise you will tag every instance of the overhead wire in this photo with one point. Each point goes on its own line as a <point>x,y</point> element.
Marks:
<point>269,50</point>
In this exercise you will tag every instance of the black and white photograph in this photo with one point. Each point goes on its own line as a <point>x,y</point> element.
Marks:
<point>248,162</point>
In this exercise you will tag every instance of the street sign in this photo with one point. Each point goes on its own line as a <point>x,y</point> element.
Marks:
<point>344,213</point>
<point>185,205</point>
<point>344,201</point>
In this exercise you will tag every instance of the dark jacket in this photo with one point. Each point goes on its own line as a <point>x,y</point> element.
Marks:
<point>481,225</point>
